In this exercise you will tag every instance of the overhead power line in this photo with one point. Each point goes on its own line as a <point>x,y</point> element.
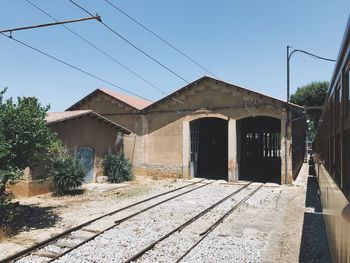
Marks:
<point>51,24</point>
<point>99,49</point>
<point>162,39</point>
<point>131,44</point>
<point>72,66</point>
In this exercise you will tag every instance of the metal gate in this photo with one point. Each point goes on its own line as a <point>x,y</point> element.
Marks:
<point>260,149</point>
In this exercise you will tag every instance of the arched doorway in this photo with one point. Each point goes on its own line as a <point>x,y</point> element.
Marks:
<point>209,148</point>
<point>259,149</point>
<point>85,155</point>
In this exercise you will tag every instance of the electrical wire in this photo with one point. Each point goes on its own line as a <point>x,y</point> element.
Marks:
<point>131,44</point>
<point>72,66</point>
<point>98,49</point>
<point>162,39</point>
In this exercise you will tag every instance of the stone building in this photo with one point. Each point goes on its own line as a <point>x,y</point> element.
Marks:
<point>209,128</point>
<point>87,136</point>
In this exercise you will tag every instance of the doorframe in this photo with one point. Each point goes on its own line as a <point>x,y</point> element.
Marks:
<point>281,140</point>
<point>93,160</point>
<point>232,144</point>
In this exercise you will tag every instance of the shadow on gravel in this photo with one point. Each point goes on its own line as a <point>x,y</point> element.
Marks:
<point>24,217</point>
<point>314,243</point>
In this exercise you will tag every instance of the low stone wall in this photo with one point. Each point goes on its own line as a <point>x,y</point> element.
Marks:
<point>159,170</point>
<point>31,188</point>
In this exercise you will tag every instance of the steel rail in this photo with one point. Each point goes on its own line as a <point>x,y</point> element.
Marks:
<point>118,222</point>
<point>181,227</point>
<point>46,242</point>
<point>205,233</point>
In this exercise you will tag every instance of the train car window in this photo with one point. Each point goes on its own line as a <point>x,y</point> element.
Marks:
<point>346,178</point>
<point>331,157</point>
<point>338,95</point>
<point>333,114</point>
<point>348,90</point>
<point>337,161</point>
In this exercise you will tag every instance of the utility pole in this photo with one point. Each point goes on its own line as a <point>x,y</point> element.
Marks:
<point>289,55</point>
<point>97,17</point>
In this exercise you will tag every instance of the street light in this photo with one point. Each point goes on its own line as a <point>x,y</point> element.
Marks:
<point>289,55</point>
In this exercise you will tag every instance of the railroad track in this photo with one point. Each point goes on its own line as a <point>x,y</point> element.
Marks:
<point>205,233</point>
<point>69,240</point>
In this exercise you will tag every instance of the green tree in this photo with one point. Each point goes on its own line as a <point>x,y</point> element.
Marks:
<point>312,94</point>
<point>25,140</point>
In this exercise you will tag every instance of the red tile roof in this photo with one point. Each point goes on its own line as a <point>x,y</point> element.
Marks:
<point>65,115</point>
<point>135,102</point>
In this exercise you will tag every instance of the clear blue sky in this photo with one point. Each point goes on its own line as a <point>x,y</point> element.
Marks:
<point>243,42</point>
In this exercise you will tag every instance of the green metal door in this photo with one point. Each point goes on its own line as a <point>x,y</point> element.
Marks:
<point>85,155</point>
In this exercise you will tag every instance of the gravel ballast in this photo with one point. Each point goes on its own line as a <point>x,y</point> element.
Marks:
<point>131,236</point>
<point>263,229</point>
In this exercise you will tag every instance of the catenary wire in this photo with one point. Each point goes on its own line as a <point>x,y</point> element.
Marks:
<point>162,39</point>
<point>98,49</point>
<point>133,45</point>
<point>72,66</point>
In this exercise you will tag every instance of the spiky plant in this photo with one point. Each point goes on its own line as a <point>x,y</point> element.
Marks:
<point>67,174</point>
<point>117,168</point>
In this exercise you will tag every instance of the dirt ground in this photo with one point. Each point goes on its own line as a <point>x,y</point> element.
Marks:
<point>274,225</point>
<point>40,217</point>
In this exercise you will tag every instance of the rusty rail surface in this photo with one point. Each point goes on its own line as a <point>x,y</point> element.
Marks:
<point>46,242</point>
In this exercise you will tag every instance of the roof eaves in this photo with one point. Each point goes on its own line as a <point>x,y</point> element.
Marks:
<point>196,82</point>
<point>94,114</point>
<point>83,112</point>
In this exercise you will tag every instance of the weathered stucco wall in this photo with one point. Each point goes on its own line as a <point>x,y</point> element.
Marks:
<point>123,115</point>
<point>113,110</point>
<point>88,131</point>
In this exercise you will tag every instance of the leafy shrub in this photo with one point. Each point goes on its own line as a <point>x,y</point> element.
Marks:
<point>117,168</point>
<point>67,174</point>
